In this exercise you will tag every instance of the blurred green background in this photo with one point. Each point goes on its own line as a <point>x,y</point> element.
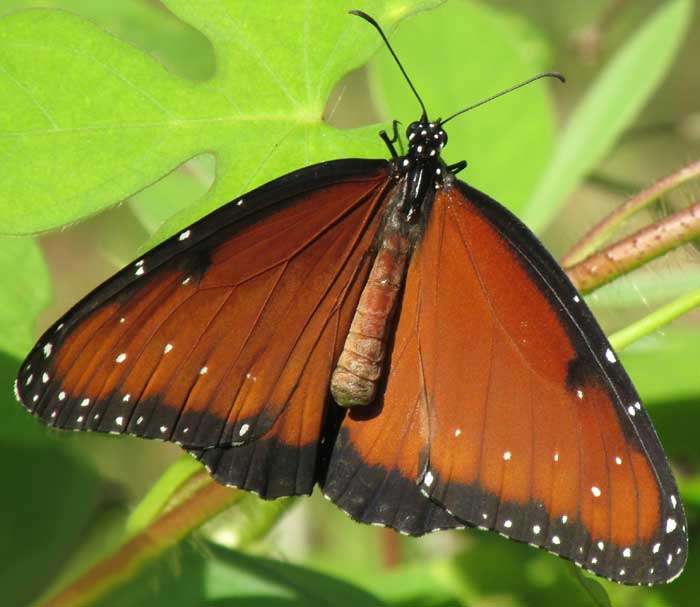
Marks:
<point>121,122</point>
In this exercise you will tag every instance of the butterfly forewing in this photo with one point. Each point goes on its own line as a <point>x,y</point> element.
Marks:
<point>225,333</point>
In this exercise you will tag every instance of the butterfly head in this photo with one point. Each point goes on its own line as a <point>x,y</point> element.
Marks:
<point>425,139</point>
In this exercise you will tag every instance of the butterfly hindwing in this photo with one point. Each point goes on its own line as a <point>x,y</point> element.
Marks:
<point>506,406</point>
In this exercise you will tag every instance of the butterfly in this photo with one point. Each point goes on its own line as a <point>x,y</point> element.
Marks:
<point>384,330</point>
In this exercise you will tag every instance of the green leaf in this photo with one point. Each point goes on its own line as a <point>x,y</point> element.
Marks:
<point>26,290</point>
<point>180,47</point>
<point>670,356</point>
<point>594,589</point>
<point>491,571</point>
<point>157,203</point>
<point>49,498</point>
<point>121,121</point>
<point>610,105</point>
<point>463,69</point>
<point>649,288</point>
<point>217,576</point>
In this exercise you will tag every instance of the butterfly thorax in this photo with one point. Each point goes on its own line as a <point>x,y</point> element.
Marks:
<point>422,166</point>
<point>420,173</point>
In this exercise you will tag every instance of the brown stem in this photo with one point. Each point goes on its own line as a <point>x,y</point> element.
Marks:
<point>599,233</point>
<point>163,533</point>
<point>637,249</point>
<point>390,548</point>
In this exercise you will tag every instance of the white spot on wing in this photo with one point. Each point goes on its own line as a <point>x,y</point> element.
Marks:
<point>126,398</point>
<point>85,402</point>
<point>184,235</point>
<point>670,524</point>
<point>139,271</point>
<point>579,393</point>
<point>556,540</point>
<point>536,529</point>
<point>673,501</point>
<point>121,358</point>
<point>656,547</point>
<point>163,429</point>
<point>457,432</point>
<point>119,420</point>
<point>577,298</point>
<point>139,421</point>
<point>508,524</point>
<point>556,456</point>
<point>47,349</point>
<point>595,491</point>
<point>610,355</point>
<point>45,378</point>
<point>601,546</point>
<point>168,348</point>
<point>506,455</point>
<point>203,370</point>
<point>429,478</point>
<point>627,553</point>
<point>61,395</point>
<point>618,460</point>
<point>631,410</point>
<point>244,429</point>
<point>564,518</point>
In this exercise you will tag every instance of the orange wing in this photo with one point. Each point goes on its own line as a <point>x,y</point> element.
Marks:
<point>506,406</point>
<point>224,335</point>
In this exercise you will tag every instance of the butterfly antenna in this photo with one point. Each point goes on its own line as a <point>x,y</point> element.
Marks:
<point>376,26</point>
<point>556,75</point>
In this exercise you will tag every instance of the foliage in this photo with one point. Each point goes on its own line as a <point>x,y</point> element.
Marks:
<point>182,109</point>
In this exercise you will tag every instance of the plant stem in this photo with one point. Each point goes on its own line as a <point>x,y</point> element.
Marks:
<point>144,547</point>
<point>650,323</point>
<point>597,235</point>
<point>635,250</point>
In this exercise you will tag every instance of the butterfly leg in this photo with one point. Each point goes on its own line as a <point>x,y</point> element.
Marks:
<point>457,167</point>
<point>390,142</point>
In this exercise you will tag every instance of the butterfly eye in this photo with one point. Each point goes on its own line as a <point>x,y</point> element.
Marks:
<point>413,131</point>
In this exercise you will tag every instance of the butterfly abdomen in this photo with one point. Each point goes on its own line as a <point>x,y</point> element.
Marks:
<point>360,365</point>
